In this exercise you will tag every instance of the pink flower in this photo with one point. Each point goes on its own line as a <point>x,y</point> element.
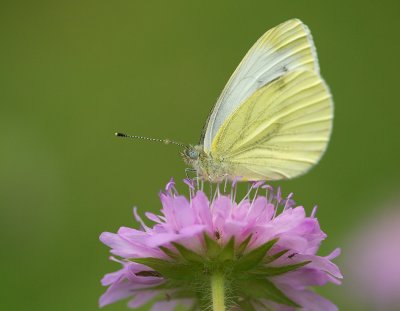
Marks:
<point>264,247</point>
<point>374,261</point>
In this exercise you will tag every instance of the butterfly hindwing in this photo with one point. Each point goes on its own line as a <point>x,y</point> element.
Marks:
<point>278,132</point>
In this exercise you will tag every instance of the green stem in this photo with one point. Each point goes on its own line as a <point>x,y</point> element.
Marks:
<point>218,291</point>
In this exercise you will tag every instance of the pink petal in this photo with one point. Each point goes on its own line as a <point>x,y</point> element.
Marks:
<point>115,292</point>
<point>153,217</point>
<point>162,239</point>
<point>334,254</point>
<point>112,277</point>
<point>220,209</point>
<point>321,263</point>
<point>171,305</point>
<point>164,305</point>
<point>119,246</point>
<point>303,278</point>
<point>141,298</point>
<point>289,219</point>
<point>309,300</point>
<point>200,205</point>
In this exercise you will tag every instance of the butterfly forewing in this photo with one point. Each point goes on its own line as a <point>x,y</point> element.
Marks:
<point>280,131</point>
<point>284,48</point>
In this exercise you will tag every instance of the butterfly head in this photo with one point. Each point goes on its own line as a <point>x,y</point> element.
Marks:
<point>204,164</point>
<point>191,154</point>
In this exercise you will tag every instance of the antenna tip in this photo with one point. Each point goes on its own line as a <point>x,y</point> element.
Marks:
<point>120,134</point>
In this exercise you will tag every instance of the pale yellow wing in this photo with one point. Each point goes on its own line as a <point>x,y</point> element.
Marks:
<point>286,47</point>
<point>280,131</point>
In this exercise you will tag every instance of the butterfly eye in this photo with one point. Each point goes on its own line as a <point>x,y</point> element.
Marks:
<point>193,154</point>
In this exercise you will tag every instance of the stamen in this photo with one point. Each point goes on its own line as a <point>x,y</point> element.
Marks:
<point>276,205</point>
<point>170,187</point>
<point>257,186</point>
<point>189,183</point>
<point>278,198</point>
<point>116,260</point>
<point>234,189</point>
<point>279,195</point>
<point>267,189</point>
<point>235,180</point>
<point>215,193</point>
<point>287,201</point>
<point>247,194</point>
<point>226,181</point>
<point>139,220</point>
<point>314,211</point>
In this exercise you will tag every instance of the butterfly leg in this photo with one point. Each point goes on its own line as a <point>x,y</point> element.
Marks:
<point>198,181</point>
<point>225,182</point>
<point>190,170</point>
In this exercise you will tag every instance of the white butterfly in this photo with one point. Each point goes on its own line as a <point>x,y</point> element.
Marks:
<point>274,118</point>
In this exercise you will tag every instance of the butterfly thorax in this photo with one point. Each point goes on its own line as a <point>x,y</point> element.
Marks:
<point>207,167</point>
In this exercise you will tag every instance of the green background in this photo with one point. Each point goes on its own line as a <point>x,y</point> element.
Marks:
<point>74,72</point>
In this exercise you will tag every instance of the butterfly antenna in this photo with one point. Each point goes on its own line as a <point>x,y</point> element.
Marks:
<point>164,141</point>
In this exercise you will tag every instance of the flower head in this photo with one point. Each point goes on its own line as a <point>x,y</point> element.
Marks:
<point>260,251</point>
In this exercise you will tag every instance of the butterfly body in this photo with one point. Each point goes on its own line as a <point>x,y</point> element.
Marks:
<point>207,167</point>
<point>273,119</point>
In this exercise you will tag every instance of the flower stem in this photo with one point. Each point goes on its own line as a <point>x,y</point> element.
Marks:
<point>218,291</point>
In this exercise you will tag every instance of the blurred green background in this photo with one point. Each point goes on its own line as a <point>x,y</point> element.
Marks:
<point>74,72</point>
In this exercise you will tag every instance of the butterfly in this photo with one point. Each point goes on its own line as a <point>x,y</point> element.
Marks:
<point>273,120</point>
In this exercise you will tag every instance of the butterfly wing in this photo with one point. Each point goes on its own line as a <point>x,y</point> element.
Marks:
<point>286,47</point>
<point>280,131</point>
